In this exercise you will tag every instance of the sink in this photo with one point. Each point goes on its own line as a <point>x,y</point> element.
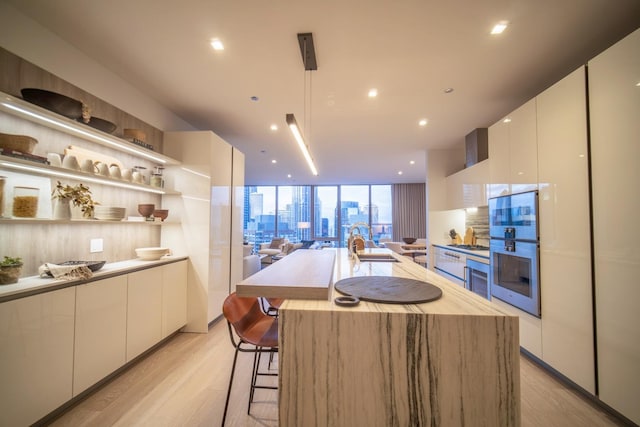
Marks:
<point>377,258</point>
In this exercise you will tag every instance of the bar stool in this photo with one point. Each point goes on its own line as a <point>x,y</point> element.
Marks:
<point>254,328</point>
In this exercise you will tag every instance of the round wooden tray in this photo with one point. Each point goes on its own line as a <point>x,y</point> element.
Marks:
<point>390,290</point>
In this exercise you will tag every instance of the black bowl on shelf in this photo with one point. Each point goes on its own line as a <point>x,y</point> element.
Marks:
<point>92,265</point>
<point>52,101</point>
<point>409,240</point>
<point>100,124</point>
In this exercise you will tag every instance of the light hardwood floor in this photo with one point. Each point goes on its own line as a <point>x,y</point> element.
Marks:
<point>184,383</point>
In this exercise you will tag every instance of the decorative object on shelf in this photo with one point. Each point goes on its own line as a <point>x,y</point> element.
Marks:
<point>69,270</point>
<point>409,240</point>
<point>70,162</point>
<point>10,269</point>
<point>3,180</point>
<point>91,265</point>
<point>138,137</point>
<point>79,195</point>
<point>25,202</point>
<point>102,124</point>
<point>21,143</point>
<point>151,254</point>
<point>62,208</point>
<point>161,213</point>
<point>156,177</point>
<point>146,210</point>
<point>55,102</point>
<point>110,213</point>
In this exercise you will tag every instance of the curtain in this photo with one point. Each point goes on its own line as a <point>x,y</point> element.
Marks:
<point>409,209</point>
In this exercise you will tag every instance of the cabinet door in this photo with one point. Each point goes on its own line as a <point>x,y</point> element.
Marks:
<point>36,355</point>
<point>499,169</point>
<point>567,318</point>
<point>174,297</point>
<point>100,331</point>
<point>144,310</point>
<point>523,148</point>
<point>614,112</point>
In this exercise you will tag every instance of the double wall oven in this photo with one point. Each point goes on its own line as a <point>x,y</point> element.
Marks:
<point>515,250</point>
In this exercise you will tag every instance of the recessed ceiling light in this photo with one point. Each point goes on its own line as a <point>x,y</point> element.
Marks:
<point>423,122</point>
<point>448,90</point>
<point>288,175</point>
<point>399,172</point>
<point>274,127</point>
<point>638,84</point>
<point>274,161</point>
<point>499,27</point>
<point>506,120</point>
<point>217,44</point>
<point>255,98</point>
<point>412,162</point>
<point>373,92</point>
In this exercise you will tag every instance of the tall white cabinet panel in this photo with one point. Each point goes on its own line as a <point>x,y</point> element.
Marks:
<point>565,258</point>
<point>523,149</point>
<point>144,310</point>
<point>237,225</point>
<point>36,355</point>
<point>614,109</point>
<point>100,330</point>
<point>205,180</point>
<point>499,155</point>
<point>174,297</point>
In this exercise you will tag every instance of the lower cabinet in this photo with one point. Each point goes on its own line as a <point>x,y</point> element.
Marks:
<point>100,332</point>
<point>36,355</point>
<point>55,345</point>
<point>450,264</point>
<point>144,310</point>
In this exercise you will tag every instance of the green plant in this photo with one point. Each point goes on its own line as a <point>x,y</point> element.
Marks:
<point>10,262</point>
<point>79,194</point>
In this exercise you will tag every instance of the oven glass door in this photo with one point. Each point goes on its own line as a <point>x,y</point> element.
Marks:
<point>514,216</point>
<point>478,278</point>
<point>514,277</point>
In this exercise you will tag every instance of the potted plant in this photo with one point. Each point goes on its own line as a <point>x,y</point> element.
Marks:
<point>79,195</point>
<point>10,269</point>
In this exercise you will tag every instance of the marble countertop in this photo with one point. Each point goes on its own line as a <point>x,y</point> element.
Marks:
<point>455,300</point>
<point>32,285</point>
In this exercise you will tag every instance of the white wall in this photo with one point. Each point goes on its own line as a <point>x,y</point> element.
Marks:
<point>26,38</point>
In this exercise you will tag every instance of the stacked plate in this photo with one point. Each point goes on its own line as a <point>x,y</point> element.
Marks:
<point>109,213</point>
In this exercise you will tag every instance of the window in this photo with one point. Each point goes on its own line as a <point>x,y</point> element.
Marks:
<point>380,208</point>
<point>325,213</point>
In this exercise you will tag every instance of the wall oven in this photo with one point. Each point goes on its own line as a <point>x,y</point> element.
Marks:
<point>477,278</point>
<point>515,250</point>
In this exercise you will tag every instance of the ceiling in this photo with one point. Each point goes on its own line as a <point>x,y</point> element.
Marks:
<point>410,50</point>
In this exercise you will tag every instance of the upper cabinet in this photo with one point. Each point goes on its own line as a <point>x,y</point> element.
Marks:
<point>468,188</point>
<point>513,152</point>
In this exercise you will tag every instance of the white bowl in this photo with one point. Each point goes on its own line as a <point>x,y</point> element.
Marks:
<point>150,254</point>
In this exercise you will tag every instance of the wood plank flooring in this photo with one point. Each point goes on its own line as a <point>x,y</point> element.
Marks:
<point>184,383</point>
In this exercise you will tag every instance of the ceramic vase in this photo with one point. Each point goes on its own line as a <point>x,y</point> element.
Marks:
<point>62,208</point>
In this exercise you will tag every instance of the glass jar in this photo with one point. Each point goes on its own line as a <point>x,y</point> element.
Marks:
<point>25,202</point>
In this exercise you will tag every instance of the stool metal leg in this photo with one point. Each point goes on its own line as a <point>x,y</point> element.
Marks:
<point>233,370</point>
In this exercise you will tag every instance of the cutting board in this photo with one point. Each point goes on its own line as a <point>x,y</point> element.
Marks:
<point>391,290</point>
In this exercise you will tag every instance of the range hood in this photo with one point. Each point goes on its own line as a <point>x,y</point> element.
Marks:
<point>477,146</point>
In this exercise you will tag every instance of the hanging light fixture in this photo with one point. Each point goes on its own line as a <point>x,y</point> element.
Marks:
<point>308,53</point>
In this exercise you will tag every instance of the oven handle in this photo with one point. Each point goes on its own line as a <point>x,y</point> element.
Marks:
<point>452,255</point>
<point>466,282</point>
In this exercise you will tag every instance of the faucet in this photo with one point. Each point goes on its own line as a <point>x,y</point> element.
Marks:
<point>356,242</point>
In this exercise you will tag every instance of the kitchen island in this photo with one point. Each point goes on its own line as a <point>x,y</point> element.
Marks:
<point>453,361</point>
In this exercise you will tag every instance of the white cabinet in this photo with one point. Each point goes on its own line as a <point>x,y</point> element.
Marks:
<point>174,297</point>
<point>206,181</point>
<point>100,330</point>
<point>567,320</point>
<point>36,355</point>
<point>614,114</point>
<point>144,310</point>
<point>468,188</point>
<point>513,152</point>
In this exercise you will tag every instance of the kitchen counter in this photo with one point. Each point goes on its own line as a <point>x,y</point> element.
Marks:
<point>478,253</point>
<point>33,285</point>
<point>453,361</point>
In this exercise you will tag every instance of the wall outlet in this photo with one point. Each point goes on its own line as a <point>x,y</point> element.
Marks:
<point>96,245</point>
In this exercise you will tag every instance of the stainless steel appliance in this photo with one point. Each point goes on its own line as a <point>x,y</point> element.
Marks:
<point>514,250</point>
<point>477,278</point>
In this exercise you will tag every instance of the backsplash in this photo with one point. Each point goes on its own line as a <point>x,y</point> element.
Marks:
<point>479,220</point>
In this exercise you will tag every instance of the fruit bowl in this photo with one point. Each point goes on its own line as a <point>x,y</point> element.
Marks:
<point>409,240</point>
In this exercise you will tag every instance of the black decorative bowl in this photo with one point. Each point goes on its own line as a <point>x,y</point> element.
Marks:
<point>92,265</point>
<point>55,102</point>
<point>409,240</point>
<point>100,124</point>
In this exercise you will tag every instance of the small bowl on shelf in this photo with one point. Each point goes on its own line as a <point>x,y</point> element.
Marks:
<point>161,213</point>
<point>151,254</point>
<point>146,209</point>
<point>409,240</point>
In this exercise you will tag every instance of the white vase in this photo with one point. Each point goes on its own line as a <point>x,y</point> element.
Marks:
<point>62,208</point>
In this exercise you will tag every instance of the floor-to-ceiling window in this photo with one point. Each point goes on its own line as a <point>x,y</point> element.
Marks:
<point>323,213</point>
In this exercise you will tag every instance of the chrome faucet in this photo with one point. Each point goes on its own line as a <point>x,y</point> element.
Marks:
<point>356,242</point>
